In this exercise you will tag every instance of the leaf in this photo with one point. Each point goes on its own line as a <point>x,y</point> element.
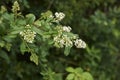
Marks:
<point>20,22</point>
<point>70,76</point>
<point>8,46</point>
<point>9,17</point>
<point>79,70</point>
<point>5,56</point>
<point>9,37</point>
<point>87,76</point>
<point>38,23</point>
<point>46,14</point>
<point>2,43</point>
<point>69,69</point>
<point>16,31</point>
<point>23,48</point>
<point>67,51</point>
<point>30,18</point>
<point>40,32</point>
<point>34,58</point>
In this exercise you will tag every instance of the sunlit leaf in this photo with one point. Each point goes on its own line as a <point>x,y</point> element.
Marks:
<point>34,58</point>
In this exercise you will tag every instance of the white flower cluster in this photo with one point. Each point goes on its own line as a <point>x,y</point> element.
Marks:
<point>28,35</point>
<point>80,43</point>
<point>59,16</point>
<point>15,7</point>
<point>67,28</point>
<point>63,40</point>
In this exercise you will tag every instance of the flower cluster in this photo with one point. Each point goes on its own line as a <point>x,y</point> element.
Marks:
<point>15,7</point>
<point>80,43</point>
<point>59,16</point>
<point>67,39</point>
<point>67,28</point>
<point>62,40</point>
<point>3,9</point>
<point>28,34</point>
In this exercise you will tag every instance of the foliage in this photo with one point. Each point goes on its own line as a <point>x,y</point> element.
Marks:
<point>30,32</point>
<point>96,21</point>
<point>78,74</point>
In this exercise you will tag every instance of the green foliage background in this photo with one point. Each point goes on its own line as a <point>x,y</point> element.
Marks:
<point>96,21</point>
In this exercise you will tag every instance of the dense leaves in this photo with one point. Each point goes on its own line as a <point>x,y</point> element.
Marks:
<point>96,21</point>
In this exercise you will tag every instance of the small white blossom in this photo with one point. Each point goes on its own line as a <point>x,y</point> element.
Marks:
<point>27,26</point>
<point>28,35</point>
<point>59,16</point>
<point>80,43</point>
<point>51,16</point>
<point>67,40</point>
<point>63,40</point>
<point>59,42</point>
<point>15,7</point>
<point>67,28</point>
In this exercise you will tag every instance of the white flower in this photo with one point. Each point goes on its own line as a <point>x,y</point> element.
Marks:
<point>59,16</point>
<point>67,40</point>
<point>59,42</point>
<point>80,43</point>
<point>63,40</point>
<point>27,26</point>
<point>67,28</point>
<point>28,35</point>
<point>51,16</point>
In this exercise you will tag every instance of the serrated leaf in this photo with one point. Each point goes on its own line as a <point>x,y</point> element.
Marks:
<point>34,58</point>
<point>70,76</point>
<point>70,69</point>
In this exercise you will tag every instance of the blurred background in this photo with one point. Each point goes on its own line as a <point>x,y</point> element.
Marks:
<point>96,21</point>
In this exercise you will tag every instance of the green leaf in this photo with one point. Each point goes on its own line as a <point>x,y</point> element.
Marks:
<point>2,43</point>
<point>9,17</point>
<point>46,14</point>
<point>20,22</point>
<point>8,46</point>
<point>87,76</point>
<point>79,70</point>
<point>16,31</point>
<point>70,69</point>
<point>30,18</point>
<point>40,32</point>
<point>67,50</point>
<point>5,56</point>
<point>23,48</point>
<point>70,76</point>
<point>34,58</point>
<point>9,37</point>
<point>38,23</point>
